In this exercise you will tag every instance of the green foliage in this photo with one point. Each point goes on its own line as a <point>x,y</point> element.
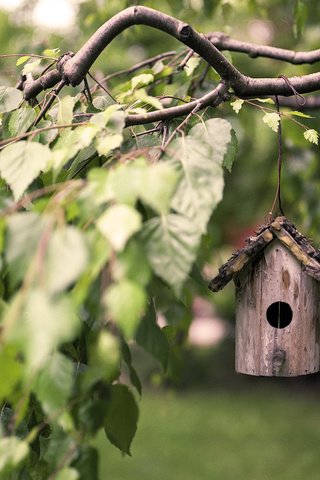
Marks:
<point>121,420</point>
<point>272,120</point>
<point>21,163</point>
<point>102,229</point>
<point>85,236</point>
<point>10,99</point>
<point>12,452</point>
<point>199,157</point>
<point>53,384</point>
<point>311,135</point>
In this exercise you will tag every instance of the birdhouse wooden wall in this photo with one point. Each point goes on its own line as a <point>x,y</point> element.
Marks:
<point>277,316</point>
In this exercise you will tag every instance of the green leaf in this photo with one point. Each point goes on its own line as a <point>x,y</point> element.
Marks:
<point>111,122</point>
<point>158,187</point>
<point>132,263</point>
<point>101,103</point>
<point>118,224</point>
<point>55,448</point>
<point>23,234</point>
<point>31,66</point>
<point>20,120</point>
<point>99,254</point>
<point>141,80</point>
<point>265,100</point>
<point>298,114</point>
<point>171,244</point>
<point>54,383</point>
<point>127,357</point>
<point>126,182</point>
<point>312,136</point>
<point>104,360</point>
<point>51,52</point>
<point>43,324</point>
<point>70,142</point>
<point>191,65</point>
<point>237,105</point>
<point>272,120</point>
<point>10,99</point>
<point>231,152</point>
<point>125,302</point>
<point>11,371</point>
<point>90,412</point>
<point>13,452</point>
<point>65,110</point>
<point>21,163</point>
<point>67,473</point>
<point>67,258</point>
<point>112,117</point>
<point>105,142</point>
<point>199,157</point>
<point>87,462</point>
<point>22,60</point>
<point>143,97</point>
<point>122,417</point>
<point>151,338</point>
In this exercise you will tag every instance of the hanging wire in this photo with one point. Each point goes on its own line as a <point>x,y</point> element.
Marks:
<point>301,101</point>
<point>278,191</point>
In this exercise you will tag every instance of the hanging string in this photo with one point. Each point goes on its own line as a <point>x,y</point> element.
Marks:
<point>301,101</point>
<point>278,191</point>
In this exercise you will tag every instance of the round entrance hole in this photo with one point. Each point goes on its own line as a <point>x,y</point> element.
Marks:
<point>279,314</point>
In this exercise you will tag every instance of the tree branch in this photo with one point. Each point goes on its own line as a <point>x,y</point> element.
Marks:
<point>224,42</point>
<point>312,102</point>
<point>212,99</point>
<point>76,68</point>
<point>72,69</point>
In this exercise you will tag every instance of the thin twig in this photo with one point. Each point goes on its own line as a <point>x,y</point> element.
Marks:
<point>46,107</point>
<point>185,60</point>
<point>146,132</point>
<point>101,86</point>
<point>180,126</point>
<point>40,193</point>
<point>87,89</point>
<point>32,55</point>
<point>149,61</point>
<point>8,141</point>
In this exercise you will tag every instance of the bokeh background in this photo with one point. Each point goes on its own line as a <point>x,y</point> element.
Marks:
<point>200,420</point>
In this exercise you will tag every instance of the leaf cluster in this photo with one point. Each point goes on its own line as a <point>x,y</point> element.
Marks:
<point>99,234</point>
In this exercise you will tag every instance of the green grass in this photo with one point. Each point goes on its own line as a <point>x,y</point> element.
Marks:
<point>252,435</point>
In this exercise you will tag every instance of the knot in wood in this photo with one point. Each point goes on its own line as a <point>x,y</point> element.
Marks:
<point>61,62</point>
<point>185,31</point>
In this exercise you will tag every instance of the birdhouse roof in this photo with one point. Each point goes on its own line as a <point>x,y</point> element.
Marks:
<point>280,229</point>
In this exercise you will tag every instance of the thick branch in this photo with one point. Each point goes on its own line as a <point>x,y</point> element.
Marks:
<point>224,42</point>
<point>277,86</point>
<point>78,66</point>
<point>74,69</point>
<point>212,99</point>
<point>312,103</point>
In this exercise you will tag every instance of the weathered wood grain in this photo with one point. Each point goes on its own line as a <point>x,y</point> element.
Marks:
<point>261,349</point>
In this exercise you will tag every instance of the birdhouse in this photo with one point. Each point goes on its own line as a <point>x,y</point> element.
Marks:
<point>276,276</point>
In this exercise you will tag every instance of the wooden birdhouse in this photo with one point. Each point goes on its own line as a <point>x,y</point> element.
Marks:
<point>277,278</point>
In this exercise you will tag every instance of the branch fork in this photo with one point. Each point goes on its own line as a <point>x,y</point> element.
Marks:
<point>72,68</point>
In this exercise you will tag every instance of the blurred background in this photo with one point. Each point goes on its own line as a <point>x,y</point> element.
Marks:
<point>200,420</point>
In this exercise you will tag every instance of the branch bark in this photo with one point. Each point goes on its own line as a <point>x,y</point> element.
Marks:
<point>224,42</point>
<point>73,69</point>
<point>211,99</point>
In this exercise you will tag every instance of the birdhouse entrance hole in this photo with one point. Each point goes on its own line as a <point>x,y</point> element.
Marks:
<point>279,314</point>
